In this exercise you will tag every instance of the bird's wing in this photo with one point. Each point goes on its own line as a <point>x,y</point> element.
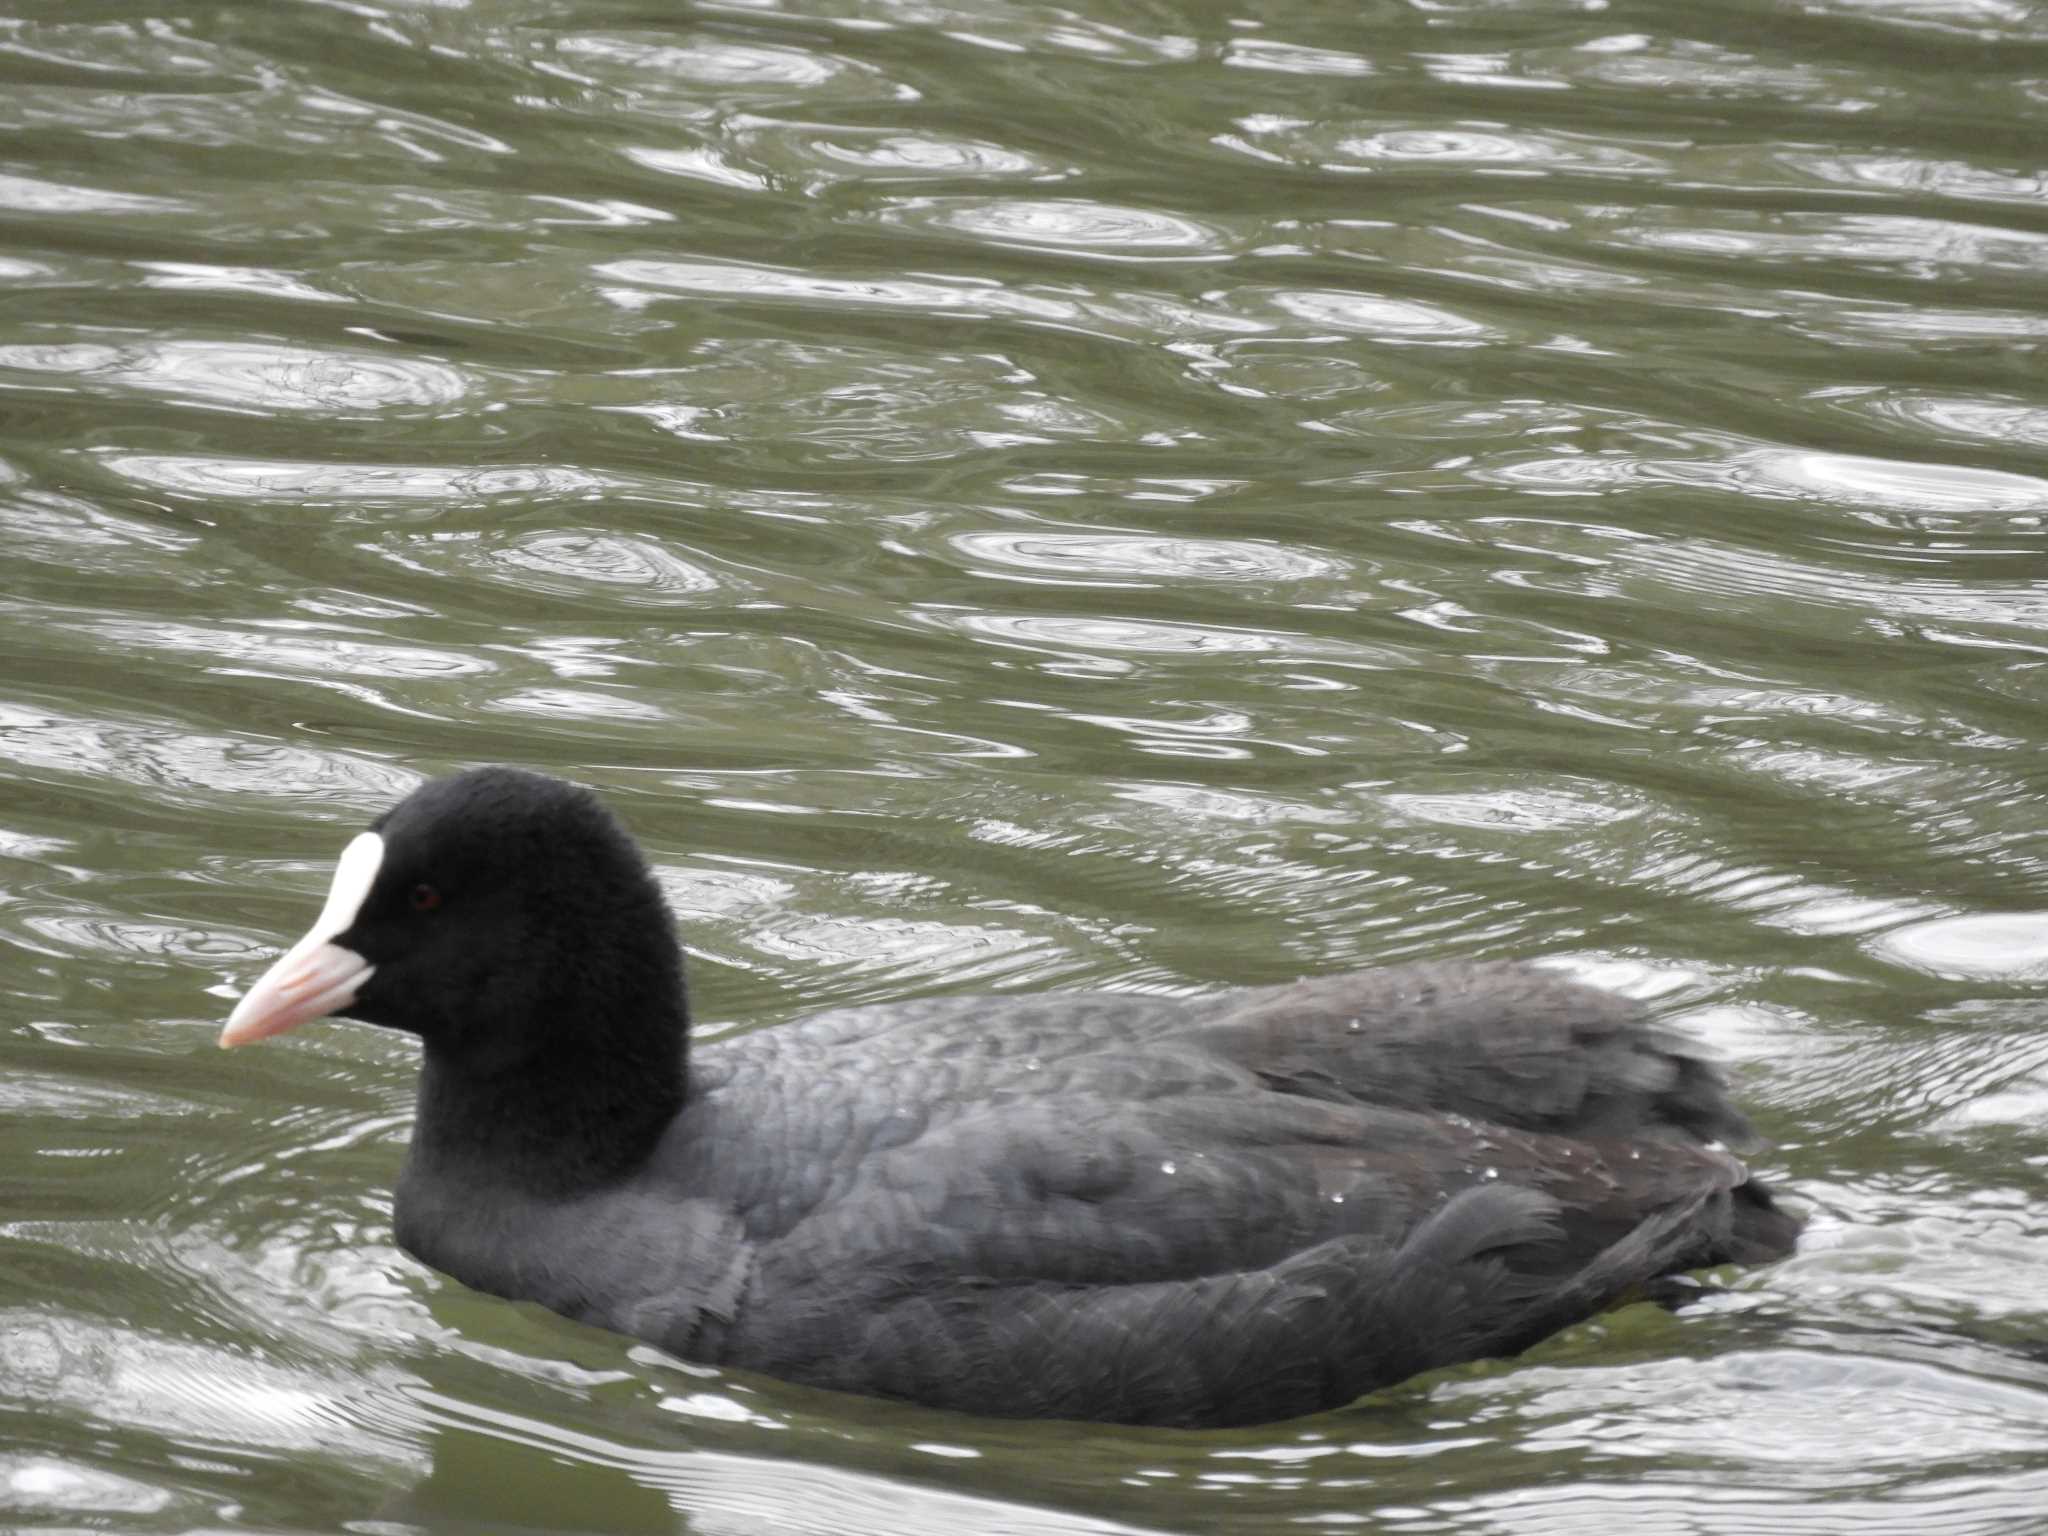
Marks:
<point>1085,1256</point>
<point>1504,1044</point>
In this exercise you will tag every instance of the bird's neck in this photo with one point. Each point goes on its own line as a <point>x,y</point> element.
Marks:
<point>575,1117</point>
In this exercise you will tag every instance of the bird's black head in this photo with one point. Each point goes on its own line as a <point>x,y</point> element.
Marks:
<point>505,918</point>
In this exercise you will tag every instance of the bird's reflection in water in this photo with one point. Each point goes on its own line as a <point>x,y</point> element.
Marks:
<point>473,1486</point>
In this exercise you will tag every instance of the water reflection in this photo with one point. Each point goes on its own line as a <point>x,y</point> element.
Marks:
<point>1132,560</point>
<point>569,561</point>
<point>1952,417</point>
<point>27,194</point>
<point>1016,494</point>
<point>285,481</point>
<point>1369,315</point>
<point>247,375</point>
<point>2011,946</point>
<point>652,75</point>
<point>650,1489</point>
<point>1079,228</point>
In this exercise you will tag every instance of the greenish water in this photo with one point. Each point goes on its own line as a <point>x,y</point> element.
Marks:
<point>1004,496</point>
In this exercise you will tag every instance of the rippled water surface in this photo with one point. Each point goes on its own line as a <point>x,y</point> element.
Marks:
<point>1004,495</point>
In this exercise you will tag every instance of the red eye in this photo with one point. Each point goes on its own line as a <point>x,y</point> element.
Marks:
<point>425,898</point>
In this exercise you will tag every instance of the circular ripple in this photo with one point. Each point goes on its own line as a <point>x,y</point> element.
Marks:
<point>2010,946</point>
<point>1134,558</point>
<point>571,560</point>
<point>1991,420</point>
<point>706,63</point>
<point>914,154</point>
<point>1463,146</point>
<point>1067,224</point>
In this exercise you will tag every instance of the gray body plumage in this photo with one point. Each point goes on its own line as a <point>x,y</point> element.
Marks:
<point>1207,1210</point>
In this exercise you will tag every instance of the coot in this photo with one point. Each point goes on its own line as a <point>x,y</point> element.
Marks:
<point>1206,1210</point>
